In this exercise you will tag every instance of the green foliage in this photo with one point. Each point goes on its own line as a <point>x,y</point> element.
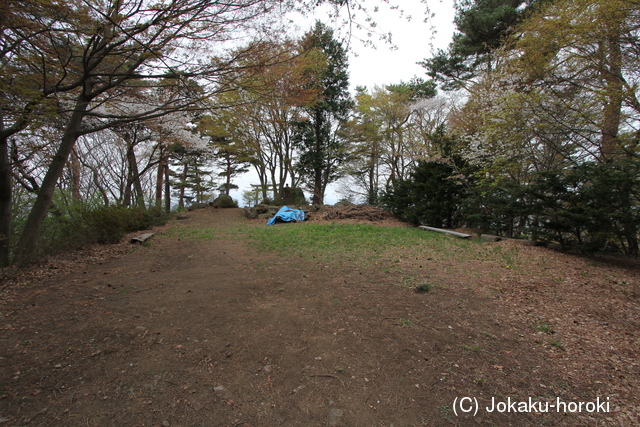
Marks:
<point>77,225</point>
<point>224,201</point>
<point>322,149</point>
<point>423,287</point>
<point>195,177</point>
<point>433,195</point>
<point>415,89</point>
<point>591,206</point>
<point>252,197</point>
<point>482,26</point>
<point>110,224</point>
<point>499,207</point>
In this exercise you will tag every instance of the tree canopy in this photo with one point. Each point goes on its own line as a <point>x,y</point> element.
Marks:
<point>316,134</point>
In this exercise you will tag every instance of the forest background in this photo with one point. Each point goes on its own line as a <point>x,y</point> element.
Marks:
<point>115,112</point>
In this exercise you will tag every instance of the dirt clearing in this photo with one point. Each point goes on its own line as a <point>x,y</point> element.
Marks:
<point>212,332</point>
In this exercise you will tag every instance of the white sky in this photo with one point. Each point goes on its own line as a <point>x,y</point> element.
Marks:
<point>414,40</point>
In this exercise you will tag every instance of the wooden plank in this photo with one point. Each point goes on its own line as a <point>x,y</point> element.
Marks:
<point>141,238</point>
<point>440,230</point>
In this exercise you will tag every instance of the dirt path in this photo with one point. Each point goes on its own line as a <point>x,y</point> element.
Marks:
<point>213,333</point>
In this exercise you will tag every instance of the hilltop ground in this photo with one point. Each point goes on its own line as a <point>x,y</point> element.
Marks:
<point>212,332</point>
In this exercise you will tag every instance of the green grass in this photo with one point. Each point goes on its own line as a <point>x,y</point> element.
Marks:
<point>344,242</point>
<point>404,321</point>
<point>556,344</point>
<point>474,348</point>
<point>545,327</point>
<point>385,248</point>
<point>423,287</point>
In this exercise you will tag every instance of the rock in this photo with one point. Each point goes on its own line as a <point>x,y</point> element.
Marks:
<point>250,213</point>
<point>223,201</point>
<point>334,417</point>
<point>197,205</point>
<point>219,389</point>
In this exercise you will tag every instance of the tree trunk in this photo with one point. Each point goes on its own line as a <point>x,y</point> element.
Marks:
<point>75,168</point>
<point>127,189</point>
<point>31,232</point>
<point>318,194</point>
<point>167,188</point>
<point>138,192</point>
<point>99,186</point>
<point>5,202</point>
<point>159,179</point>
<point>185,170</point>
<point>229,173</point>
<point>611,72</point>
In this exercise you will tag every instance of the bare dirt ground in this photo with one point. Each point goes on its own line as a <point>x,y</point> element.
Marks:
<point>214,333</point>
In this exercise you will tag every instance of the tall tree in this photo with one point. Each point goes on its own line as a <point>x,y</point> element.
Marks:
<point>94,53</point>
<point>68,59</point>
<point>389,132</point>
<point>482,27</point>
<point>323,150</point>
<point>228,153</point>
<point>268,104</point>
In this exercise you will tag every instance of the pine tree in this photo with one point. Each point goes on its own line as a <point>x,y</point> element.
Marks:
<point>323,151</point>
<point>482,26</point>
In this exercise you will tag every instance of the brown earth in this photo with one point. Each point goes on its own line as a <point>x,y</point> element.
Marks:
<point>214,333</point>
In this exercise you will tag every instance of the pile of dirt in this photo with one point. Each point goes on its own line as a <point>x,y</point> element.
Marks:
<point>353,212</point>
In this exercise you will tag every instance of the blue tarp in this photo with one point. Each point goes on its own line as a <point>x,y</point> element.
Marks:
<point>286,214</point>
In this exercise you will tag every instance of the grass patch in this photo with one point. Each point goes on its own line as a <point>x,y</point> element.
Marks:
<point>556,344</point>
<point>545,327</point>
<point>360,243</point>
<point>404,321</point>
<point>474,348</point>
<point>423,287</point>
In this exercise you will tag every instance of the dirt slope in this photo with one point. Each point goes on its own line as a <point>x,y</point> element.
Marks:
<point>214,333</point>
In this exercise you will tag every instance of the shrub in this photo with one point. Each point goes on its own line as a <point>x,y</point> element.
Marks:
<point>76,226</point>
<point>224,201</point>
<point>589,206</point>
<point>432,195</point>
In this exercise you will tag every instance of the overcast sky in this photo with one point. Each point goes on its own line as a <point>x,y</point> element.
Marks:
<point>415,40</point>
<point>414,36</point>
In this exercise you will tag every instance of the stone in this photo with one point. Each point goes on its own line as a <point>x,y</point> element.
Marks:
<point>250,213</point>
<point>197,205</point>
<point>334,417</point>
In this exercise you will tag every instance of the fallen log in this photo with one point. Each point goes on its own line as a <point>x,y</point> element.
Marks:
<point>141,238</point>
<point>453,233</point>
